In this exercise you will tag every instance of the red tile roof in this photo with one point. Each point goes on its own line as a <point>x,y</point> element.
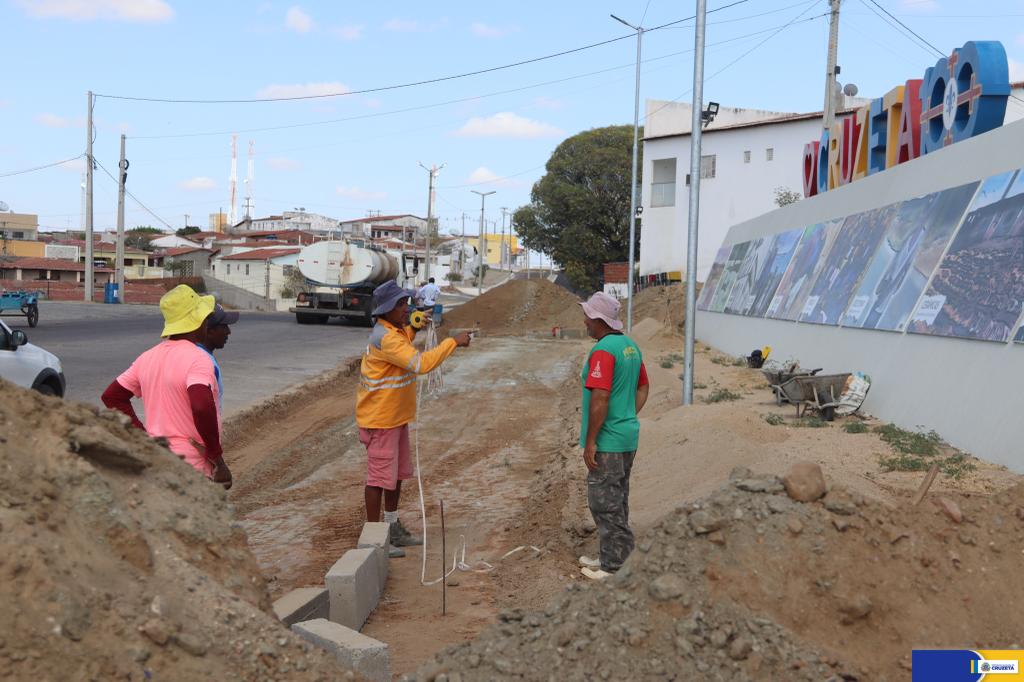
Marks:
<point>370,219</point>
<point>261,254</point>
<point>179,250</point>
<point>80,243</point>
<point>59,264</point>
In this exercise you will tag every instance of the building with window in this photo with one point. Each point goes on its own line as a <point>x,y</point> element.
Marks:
<point>746,155</point>
<point>385,226</point>
<point>262,271</point>
<point>23,226</point>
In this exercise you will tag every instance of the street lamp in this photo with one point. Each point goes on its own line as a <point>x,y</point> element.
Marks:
<point>633,188</point>
<point>480,244</point>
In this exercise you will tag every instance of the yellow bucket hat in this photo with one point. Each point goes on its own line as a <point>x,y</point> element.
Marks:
<point>184,310</point>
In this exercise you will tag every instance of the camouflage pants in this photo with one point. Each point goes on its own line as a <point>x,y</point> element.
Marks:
<point>608,499</point>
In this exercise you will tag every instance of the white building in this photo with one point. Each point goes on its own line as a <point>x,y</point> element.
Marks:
<point>261,271</point>
<point>383,226</point>
<point>745,155</point>
<point>289,220</point>
<point>173,241</point>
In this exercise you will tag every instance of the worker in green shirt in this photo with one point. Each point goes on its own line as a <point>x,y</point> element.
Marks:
<point>615,389</point>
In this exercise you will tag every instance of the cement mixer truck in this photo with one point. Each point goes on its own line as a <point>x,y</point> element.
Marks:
<point>344,275</point>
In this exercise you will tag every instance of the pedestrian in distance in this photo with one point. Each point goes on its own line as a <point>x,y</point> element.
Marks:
<point>427,295</point>
<point>615,388</point>
<point>386,404</point>
<point>178,385</point>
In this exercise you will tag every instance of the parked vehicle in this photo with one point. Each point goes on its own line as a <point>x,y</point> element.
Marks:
<point>28,365</point>
<point>24,303</point>
<point>345,276</point>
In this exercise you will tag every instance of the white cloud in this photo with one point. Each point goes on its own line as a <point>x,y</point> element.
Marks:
<point>1016,70</point>
<point>543,102</point>
<point>360,194</point>
<point>485,176</point>
<point>198,184</point>
<point>297,20</point>
<point>74,165</point>
<point>302,90</point>
<point>413,26</point>
<point>138,11</point>
<point>349,32</point>
<point>507,124</point>
<point>54,121</point>
<point>284,164</point>
<point>482,30</point>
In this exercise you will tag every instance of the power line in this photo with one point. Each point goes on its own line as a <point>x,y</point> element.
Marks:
<point>398,86</point>
<point>912,31</point>
<point>134,198</point>
<point>39,168</point>
<point>378,114</point>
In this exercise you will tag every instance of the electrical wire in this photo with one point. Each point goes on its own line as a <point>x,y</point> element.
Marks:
<point>922,42</point>
<point>399,86</point>
<point>134,198</point>
<point>39,168</point>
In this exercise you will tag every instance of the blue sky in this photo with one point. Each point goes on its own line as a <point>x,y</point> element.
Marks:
<point>56,50</point>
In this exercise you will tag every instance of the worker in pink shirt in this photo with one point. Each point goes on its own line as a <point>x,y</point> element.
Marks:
<point>178,385</point>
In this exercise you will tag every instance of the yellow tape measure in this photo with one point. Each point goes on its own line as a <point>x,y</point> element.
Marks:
<point>417,319</point>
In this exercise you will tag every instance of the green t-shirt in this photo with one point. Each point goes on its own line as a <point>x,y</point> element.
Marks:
<point>614,364</point>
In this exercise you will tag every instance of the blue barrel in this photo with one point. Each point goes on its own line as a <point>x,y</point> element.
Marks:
<point>438,312</point>
<point>110,293</point>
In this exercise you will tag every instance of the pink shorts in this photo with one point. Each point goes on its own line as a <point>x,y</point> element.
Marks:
<point>388,457</point>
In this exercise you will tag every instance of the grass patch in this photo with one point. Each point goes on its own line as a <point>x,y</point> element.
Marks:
<point>855,427</point>
<point>910,442</point>
<point>721,395</point>
<point>775,419</point>
<point>698,386</point>
<point>918,451</point>
<point>667,364</point>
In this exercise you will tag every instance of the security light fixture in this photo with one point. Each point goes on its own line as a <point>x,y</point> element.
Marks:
<point>709,113</point>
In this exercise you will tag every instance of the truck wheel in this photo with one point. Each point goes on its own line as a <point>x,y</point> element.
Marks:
<point>306,318</point>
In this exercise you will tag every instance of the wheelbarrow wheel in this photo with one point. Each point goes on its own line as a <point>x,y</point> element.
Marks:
<point>828,413</point>
<point>32,313</point>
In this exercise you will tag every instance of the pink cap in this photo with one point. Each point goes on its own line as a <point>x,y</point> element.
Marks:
<point>601,306</point>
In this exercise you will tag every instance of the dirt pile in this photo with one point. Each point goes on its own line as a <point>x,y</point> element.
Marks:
<point>666,304</point>
<point>119,561</point>
<point>517,307</point>
<point>749,584</point>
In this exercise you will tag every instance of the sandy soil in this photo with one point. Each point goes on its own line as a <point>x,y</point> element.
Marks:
<point>518,307</point>
<point>498,445</point>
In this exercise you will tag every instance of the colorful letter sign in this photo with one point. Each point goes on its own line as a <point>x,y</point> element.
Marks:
<point>963,95</point>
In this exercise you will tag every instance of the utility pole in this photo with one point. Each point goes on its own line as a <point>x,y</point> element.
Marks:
<point>633,198</point>
<point>480,244</point>
<point>696,126</point>
<point>501,249</point>
<point>89,274</point>
<point>829,111</point>
<point>462,253</point>
<point>119,252</point>
<point>266,279</point>
<point>430,210</point>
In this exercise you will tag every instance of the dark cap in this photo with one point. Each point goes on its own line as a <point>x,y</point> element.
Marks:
<point>220,316</point>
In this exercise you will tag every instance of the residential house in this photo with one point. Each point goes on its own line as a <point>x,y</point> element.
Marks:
<point>262,271</point>
<point>376,227</point>
<point>35,270</point>
<point>183,261</point>
<point>19,226</point>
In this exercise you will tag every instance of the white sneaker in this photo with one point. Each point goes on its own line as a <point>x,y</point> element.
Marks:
<point>590,562</point>
<point>595,574</point>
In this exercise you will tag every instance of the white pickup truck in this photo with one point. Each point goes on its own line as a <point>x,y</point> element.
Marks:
<point>28,365</point>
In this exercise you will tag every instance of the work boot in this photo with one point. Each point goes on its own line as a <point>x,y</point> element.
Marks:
<point>395,552</point>
<point>595,574</point>
<point>589,562</point>
<point>400,537</point>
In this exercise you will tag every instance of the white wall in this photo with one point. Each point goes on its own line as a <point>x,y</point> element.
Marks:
<point>967,390</point>
<point>739,191</point>
<point>255,280</point>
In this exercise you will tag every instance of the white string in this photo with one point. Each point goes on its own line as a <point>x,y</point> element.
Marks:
<point>459,555</point>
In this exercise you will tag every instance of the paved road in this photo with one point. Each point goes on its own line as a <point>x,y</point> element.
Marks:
<point>266,353</point>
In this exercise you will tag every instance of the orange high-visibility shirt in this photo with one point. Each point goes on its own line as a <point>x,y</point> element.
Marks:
<point>386,396</point>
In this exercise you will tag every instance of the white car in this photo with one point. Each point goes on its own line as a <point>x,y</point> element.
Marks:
<point>28,365</point>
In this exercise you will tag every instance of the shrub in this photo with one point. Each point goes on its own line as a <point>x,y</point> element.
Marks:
<point>721,395</point>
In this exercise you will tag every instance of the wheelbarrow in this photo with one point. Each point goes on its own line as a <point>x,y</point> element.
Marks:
<point>24,303</point>
<point>819,392</point>
<point>777,377</point>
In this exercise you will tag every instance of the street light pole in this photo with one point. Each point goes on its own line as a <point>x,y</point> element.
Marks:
<point>480,244</point>
<point>633,198</point>
<point>696,124</point>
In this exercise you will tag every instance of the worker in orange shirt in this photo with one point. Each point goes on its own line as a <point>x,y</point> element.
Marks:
<point>386,404</point>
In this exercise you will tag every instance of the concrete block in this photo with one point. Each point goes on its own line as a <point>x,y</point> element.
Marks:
<point>353,584</point>
<point>355,651</point>
<point>304,603</point>
<point>376,536</point>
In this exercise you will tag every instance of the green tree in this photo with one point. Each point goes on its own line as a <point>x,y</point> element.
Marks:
<point>578,213</point>
<point>187,230</point>
<point>139,237</point>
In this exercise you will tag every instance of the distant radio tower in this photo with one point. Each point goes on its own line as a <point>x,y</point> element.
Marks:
<point>248,179</point>
<point>233,181</point>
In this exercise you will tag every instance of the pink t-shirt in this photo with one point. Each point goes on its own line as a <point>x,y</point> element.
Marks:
<point>161,377</point>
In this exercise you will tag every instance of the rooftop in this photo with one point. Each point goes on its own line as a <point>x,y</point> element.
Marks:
<point>262,254</point>
<point>60,264</point>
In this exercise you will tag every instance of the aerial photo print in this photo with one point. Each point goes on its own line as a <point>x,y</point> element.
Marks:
<point>728,278</point>
<point>781,253</point>
<point>743,292</point>
<point>810,256</point>
<point>707,292</point>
